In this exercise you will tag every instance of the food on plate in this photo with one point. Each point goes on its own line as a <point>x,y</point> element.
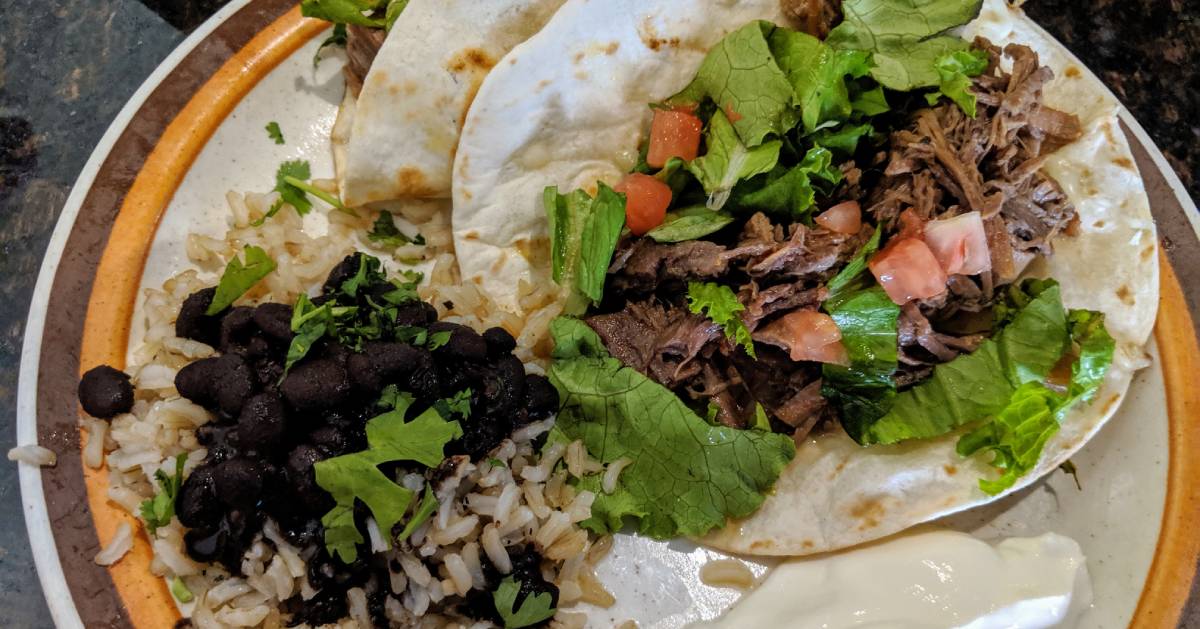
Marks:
<point>779,278</point>
<point>900,252</point>
<point>411,75</point>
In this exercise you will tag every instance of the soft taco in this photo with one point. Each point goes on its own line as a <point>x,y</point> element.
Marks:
<point>409,88</point>
<point>914,240</point>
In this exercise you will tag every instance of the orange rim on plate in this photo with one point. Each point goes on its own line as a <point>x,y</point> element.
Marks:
<point>110,309</point>
<point>106,335</point>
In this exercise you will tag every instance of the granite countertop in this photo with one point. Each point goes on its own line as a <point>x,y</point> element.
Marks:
<point>67,67</point>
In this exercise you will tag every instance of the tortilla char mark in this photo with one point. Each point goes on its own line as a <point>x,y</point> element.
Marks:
<point>411,181</point>
<point>868,512</point>
<point>470,60</point>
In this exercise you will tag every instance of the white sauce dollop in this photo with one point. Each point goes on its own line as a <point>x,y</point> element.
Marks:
<point>933,580</point>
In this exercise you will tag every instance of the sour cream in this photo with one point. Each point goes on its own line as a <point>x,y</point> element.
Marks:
<point>933,580</point>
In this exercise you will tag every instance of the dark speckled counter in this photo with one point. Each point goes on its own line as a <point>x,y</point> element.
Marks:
<point>67,67</point>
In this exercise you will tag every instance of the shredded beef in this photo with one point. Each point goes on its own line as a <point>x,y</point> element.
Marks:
<point>815,17</point>
<point>662,343</point>
<point>946,163</point>
<point>362,44</point>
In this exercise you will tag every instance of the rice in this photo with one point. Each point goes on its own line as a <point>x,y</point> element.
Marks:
<point>33,455</point>
<point>612,473</point>
<point>727,573</point>
<point>483,510</point>
<point>116,548</point>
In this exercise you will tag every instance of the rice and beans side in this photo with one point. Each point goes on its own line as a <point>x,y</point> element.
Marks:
<point>205,415</point>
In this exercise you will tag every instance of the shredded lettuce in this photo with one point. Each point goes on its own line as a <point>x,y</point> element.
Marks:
<point>583,236</point>
<point>850,278</point>
<point>955,70</point>
<point>719,303</point>
<point>337,38</point>
<point>740,75</point>
<point>729,161</point>
<point>533,610</point>
<point>360,12</point>
<point>356,476</point>
<point>687,476</point>
<point>906,37</point>
<point>689,223</point>
<point>240,277</point>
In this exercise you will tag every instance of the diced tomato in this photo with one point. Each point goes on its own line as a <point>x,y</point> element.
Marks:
<point>646,201</point>
<point>844,218</point>
<point>959,244</point>
<point>809,335</point>
<point>674,133</point>
<point>907,270</point>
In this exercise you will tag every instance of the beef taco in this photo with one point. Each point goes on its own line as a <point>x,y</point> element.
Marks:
<point>911,238</point>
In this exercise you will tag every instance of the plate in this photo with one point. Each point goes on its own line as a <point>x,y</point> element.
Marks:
<point>195,130</point>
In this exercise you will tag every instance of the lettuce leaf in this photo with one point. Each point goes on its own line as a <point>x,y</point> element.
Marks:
<point>818,73</point>
<point>240,277</point>
<point>955,70</point>
<point>728,161</point>
<point>980,384</point>
<point>357,476</point>
<point>1019,432</point>
<point>721,305</point>
<point>790,193</point>
<point>905,37</point>
<point>849,278</point>
<point>864,391</point>
<point>740,75</point>
<point>687,477</point>
<point>689,223</point>
<point>583,237</point>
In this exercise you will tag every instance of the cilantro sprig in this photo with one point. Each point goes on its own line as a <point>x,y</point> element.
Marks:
<point>533,610</point>
<point>159,510</point>
<point>240,277</point>
<point>385,233</point>
<point>718,303</point>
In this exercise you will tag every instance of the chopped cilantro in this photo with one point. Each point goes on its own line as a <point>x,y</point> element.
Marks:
<point>274,132</point>
<point>386,233</point>
<point>180,591</point>
<point>534,609</point>
<point>240,277</point>
<point>159,510</point>
<point>718,303</point>
<point>357,477</point>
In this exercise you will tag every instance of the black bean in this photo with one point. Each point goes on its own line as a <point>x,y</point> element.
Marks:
<point>193,324</point>
<point>464,343</point>
<point>504,390</point>
<point>423,379</point>
<point>219,441</point>
<point>262,422</point>
<point>105,392</point>
<point>239,483</point>
<point>195,381</point>
<point>415,313</point>
<point>316,384</point>
<point>275,320</point>
<point>343,271</point>
<point>197,504</point>
<point>303,479</point>
<point>499,342</point>
<point>380,364</point>
<point>236,328</point>
<point>233,383</point>
<point>541,398</point>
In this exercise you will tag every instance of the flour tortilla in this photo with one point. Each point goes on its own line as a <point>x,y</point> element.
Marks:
<point>560,111</point>
<point>568,108</point>
<point>400,134</point>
